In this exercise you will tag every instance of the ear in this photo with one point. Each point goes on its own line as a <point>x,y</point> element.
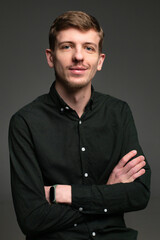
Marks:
<point>49,57</point>
<point>100,61</point>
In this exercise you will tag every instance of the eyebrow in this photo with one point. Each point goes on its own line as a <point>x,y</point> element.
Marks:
<point>60,43</point>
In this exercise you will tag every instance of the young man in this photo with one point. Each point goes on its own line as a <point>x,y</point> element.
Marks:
<point>76,163</point>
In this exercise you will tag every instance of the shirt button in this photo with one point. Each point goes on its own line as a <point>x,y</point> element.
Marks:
<point>93,234</point>
<point>62,109</point>
<point>105,210</point>
<point>67,107</point>
<point>75,225</point>
<point>80,122</point>
<point>83,149</point>
<point>80,209</point>
<point>86,174</point>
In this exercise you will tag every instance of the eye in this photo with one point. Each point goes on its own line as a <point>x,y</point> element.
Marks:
<point>66,47</point>
<point>90,49</point>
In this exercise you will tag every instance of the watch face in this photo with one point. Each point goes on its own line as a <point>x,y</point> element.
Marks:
<point>52,195</point>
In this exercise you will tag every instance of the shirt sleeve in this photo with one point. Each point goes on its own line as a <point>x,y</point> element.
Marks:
<point>34,214</point>
<point>121,197</point>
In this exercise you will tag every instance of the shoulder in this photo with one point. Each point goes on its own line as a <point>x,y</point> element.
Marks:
<point>113,107</point>
<point>34,108</point>
<point>110,102</point>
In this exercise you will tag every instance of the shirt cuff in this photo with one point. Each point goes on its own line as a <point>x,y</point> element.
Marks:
<point>88,200</point>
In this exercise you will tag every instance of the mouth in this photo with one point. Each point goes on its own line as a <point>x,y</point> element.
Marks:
<point>77,69</point>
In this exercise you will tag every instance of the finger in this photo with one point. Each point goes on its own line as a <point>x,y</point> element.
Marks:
<point>137,175</point>
<point>126,158</point>
<point>136,169</point>
<point>130,165</point>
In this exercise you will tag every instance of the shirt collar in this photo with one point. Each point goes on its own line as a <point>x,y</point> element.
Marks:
<point>60,103</point>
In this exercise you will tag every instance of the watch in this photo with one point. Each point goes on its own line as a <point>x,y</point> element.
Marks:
<point>52,194</point>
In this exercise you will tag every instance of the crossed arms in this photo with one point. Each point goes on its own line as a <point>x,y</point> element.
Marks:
<point>125,171</point>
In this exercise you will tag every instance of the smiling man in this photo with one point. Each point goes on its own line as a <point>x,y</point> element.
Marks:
<point>76,59</point>
<point>76,162</point>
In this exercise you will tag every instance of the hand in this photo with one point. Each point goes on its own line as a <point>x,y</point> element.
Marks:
<point>126,172</point>
<point>62,194</point>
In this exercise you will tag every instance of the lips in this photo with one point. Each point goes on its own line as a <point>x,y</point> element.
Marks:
<point>77,69</point>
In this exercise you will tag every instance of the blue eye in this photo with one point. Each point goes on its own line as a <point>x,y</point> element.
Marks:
<point>66,47</point>
<point>90,49</point>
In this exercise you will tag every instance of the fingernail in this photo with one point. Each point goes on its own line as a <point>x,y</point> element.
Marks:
<point>134,151</point>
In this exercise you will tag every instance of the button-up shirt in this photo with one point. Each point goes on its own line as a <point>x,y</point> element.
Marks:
<point>49,144</point>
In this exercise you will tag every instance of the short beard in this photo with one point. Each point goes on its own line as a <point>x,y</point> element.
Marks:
<point>71,86</point>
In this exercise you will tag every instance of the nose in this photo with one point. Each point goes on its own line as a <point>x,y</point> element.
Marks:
<point>78,54</point>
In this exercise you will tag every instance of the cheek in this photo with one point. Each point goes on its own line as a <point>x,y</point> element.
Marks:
<point>95,66</point>
<point>58,65</point>
<point>62,61</point>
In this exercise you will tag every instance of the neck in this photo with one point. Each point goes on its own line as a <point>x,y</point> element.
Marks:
<point>77,99</point>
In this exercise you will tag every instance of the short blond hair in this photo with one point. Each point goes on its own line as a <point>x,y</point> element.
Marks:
<point>74,19</point>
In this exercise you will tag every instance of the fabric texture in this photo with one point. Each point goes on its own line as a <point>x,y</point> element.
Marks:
<point>49,144</point>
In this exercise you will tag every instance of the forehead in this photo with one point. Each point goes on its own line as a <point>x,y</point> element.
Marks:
<point>78,36</point>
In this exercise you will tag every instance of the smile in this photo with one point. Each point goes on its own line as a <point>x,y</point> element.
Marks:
<point>77,70</point>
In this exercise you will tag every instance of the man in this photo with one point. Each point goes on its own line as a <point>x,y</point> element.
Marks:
<point>76,163</point>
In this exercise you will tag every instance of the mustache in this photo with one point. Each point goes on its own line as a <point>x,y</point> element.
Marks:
<point>78,66</point>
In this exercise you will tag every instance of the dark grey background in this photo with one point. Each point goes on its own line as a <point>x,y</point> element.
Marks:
<point>131,72</point>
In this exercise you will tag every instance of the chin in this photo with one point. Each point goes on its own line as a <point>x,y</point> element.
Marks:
<point>75,84</point>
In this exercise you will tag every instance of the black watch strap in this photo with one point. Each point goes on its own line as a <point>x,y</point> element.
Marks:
<point>52,194</point>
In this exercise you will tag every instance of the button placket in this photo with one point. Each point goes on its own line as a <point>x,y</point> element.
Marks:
<point>83,150</point>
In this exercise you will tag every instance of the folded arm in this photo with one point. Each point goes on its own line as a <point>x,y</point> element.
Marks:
<point>126,171</point>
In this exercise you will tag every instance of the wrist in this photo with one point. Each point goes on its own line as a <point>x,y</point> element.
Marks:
<point>63,194</point>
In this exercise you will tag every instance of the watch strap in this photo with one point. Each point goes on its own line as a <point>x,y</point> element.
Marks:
<point>53,194</point>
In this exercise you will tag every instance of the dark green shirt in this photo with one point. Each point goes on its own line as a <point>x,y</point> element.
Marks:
<point>49,144</point>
